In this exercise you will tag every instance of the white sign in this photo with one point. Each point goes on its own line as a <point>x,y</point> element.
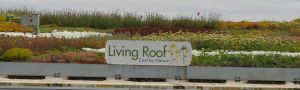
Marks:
<point>148,52</point>
<point>31,20</point>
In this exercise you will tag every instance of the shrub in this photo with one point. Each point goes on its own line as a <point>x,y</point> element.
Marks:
<point>18,54</point>
<point>1,51</point>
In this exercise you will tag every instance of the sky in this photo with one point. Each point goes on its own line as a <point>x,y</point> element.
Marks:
<point>235,10</point>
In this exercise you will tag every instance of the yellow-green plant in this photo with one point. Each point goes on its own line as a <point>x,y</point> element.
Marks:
<point>12,18</point>
<point>2,18</point>
<point>297,20</point>
<point>215,41</point>
<point>17,54</point>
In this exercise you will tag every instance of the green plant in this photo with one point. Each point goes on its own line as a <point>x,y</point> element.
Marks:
<point>2,18</point>
<point>69,49</point>
<point>156,20</point>
<point>1,51</point>
<point>297,20</point>
<point>12,18</point>
<point>17,54</point>
<point>130,20</point>
<point>247,60</point>
<point>100,54</point>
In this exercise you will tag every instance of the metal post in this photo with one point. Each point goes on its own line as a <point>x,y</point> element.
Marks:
<point>36,28</point>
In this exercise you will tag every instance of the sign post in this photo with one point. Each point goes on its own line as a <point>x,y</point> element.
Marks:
<point>129,52</point>
<point>32,21</point>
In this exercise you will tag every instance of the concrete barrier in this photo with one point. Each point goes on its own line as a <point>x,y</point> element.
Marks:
<point>91,70</point>
<point>243,73</point>
<point>164,72</point>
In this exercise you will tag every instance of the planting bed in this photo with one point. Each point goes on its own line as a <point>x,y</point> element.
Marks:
<point>232,41</point>
<point>73,50</point>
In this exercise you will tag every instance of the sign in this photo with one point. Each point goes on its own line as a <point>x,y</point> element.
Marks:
<point>32,21</point>
<point>148,52</point>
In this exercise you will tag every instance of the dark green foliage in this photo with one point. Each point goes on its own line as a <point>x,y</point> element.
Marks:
<point>242,60</point>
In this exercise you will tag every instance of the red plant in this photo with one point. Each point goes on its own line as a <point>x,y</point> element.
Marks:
<point>150,30</point>
<point>43,44</point>
<point>71,57</point>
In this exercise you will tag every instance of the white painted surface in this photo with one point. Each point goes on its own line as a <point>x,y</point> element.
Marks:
<point>56,34</point>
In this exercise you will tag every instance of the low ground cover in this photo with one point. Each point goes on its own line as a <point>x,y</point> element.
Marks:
<point>200,41</point>
<point>78,57</point>
<point>214,41</point>
<point>52,56</point>
<point>44,44</point>
<point>246,60</point>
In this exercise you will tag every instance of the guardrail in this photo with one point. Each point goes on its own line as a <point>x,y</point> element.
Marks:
<point>162,72</point>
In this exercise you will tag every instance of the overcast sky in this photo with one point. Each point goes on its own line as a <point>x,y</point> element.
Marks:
<point>229,9</point>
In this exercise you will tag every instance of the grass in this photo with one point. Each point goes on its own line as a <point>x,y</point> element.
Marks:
<point>113,20</point>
